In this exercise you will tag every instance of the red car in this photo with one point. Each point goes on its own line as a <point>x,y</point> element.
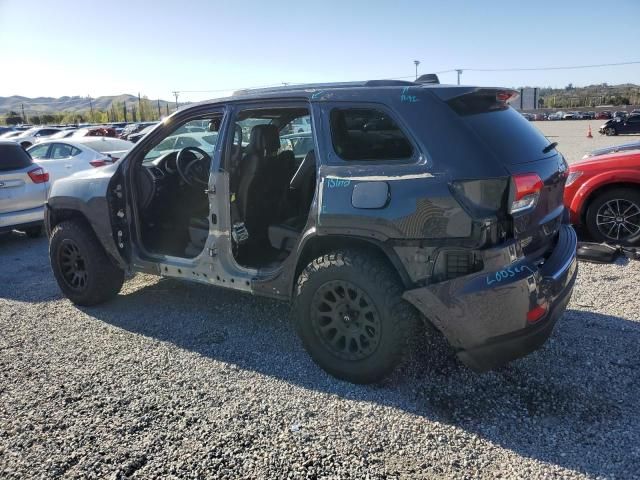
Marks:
<point>603,115</point>
<point>602,193</point>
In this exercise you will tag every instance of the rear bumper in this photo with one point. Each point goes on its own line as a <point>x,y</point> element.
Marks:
<point>484,315</point>
<point>23,218</point>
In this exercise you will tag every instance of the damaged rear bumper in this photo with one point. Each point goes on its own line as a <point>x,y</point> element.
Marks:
<point>484,315</point>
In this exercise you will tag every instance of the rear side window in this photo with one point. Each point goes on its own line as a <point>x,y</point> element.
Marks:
<point>62,150</point>
<point>367,134</point>
<point>13,157</point>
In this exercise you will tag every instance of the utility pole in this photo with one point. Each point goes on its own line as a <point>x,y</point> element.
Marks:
<point>416,63</point>
<point>167,105</point>
<point>459,73</point>
<point>24,117</point>
<point>159,114</point>
<point>140,107</point>
<point>124,109</point>
<point>91,106</point>
<point>176,95</point>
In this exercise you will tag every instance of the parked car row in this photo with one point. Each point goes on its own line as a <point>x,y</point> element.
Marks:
<point>30,136</point>
<point>577,115</point>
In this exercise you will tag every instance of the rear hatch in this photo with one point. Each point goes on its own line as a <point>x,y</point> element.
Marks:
<point>537,171</point>
<point>18,189</point>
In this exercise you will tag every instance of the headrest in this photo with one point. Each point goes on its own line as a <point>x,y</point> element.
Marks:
<point>265,138</point>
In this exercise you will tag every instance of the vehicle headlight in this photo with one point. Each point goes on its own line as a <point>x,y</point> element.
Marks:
<point>573,176</point>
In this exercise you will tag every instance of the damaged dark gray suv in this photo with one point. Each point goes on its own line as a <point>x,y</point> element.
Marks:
<point>369,206</point>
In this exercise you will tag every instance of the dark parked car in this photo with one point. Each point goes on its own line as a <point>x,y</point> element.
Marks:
<point>618,125</point>
<point>603,115</point>
<point>381,223</point>
<point>134,137</point>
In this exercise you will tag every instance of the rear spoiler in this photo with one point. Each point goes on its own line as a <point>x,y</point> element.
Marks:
<point>449,92</point>
<point>474,100</point>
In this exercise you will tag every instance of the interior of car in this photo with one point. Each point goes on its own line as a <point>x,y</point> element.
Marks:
<point>272,179</point>
<point>171,189</point>
<point>271,164</point>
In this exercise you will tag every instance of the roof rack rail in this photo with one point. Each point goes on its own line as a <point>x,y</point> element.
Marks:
<point>424,79</point>
<point>301,86</point>
<point>388,83</point>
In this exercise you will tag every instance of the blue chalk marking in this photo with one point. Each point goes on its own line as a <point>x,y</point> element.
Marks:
<point>316,94</point>
<point>507,273</point>
<point>405,97</point>
<point>338,183</point>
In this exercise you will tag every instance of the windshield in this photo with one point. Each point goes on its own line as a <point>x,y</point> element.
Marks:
<point>195,133</point>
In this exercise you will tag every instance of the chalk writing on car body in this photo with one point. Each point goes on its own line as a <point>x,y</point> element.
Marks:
<point>508,272</point>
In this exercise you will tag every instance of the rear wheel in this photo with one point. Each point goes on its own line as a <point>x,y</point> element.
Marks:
<point>350,316</point>
<point>82,268</point>
<point>614,217</point>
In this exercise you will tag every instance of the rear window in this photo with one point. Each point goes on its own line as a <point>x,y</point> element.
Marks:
<point>13,157</point>
<point>108,145</point>
<point>507,133</point>
<point>367,134</point>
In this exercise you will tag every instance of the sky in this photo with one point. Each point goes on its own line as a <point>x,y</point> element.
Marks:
<point>61,47</point>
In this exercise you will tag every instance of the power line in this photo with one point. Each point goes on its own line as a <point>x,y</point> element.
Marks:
<point>528,69</point>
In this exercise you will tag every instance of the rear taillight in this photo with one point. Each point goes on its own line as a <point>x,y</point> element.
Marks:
<point>527,190</point>
<point>98,163</point>
<point>536,313</point>
<point>38,175</point>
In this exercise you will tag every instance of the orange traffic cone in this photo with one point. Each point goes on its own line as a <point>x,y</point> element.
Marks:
<point>589,132</point>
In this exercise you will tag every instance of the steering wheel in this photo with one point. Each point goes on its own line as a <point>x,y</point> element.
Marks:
<point>193,169</point>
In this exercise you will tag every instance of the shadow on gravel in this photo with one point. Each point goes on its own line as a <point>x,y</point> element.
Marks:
<point>571,404</point>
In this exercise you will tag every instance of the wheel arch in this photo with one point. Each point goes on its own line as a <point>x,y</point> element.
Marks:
<point>59,211</point>
<point>318,245</point>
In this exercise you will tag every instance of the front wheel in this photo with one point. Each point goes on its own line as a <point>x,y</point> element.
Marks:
<point>84,272</point>
<point>350,315</point>
<point>610,131</point>
<point>614,217</point>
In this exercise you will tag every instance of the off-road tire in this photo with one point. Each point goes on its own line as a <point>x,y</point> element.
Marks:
<point>104,278</point>
<point>629,194</point>
<point>372,274</point>
<point>33,232</point>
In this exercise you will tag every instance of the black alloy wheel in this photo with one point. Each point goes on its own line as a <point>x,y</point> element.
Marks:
<point>346,320</point>
<point>72,264</point>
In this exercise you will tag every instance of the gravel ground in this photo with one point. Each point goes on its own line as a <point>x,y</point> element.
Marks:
<point>187,381</point>
<point>178,380</point>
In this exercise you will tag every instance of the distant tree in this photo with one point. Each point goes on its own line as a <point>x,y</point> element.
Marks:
<point>569,87</point>
<point>35,120</point>
<point>13,118</point>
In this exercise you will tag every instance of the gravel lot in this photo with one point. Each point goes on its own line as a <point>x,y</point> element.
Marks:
<point>184,381</point>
